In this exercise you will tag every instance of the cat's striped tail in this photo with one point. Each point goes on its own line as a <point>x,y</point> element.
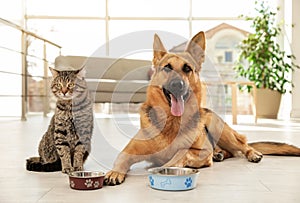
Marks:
<point>35,164</point>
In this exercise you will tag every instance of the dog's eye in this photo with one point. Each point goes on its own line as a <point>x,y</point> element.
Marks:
<point>167,68</point>
<point>186,68</point>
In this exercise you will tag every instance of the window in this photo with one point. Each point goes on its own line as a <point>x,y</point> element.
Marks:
<point>95,27</point>
<point>228,56</point>
<point>93,23</point>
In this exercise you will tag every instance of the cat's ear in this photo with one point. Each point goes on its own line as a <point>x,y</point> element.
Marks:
<point>81,73</point>
<point>53,72</point>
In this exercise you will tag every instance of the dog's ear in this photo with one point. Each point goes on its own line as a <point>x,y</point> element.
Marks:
<point>196,47</point>
<point>158,50</point>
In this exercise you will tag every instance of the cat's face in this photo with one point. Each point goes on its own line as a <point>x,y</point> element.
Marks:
<point>64,83</point>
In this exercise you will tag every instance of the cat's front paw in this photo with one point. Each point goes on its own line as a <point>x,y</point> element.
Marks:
<point>80,168</point>
<point>67,170</point>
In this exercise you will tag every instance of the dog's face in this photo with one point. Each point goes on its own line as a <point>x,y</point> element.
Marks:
<point>176,76</point>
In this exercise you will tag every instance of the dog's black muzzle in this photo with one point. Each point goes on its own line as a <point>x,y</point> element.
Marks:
<point>177,88</point>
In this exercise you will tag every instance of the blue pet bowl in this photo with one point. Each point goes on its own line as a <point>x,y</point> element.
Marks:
<point>173,178</point>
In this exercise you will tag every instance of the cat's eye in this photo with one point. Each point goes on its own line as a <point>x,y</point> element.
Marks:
<point>58,86</point>
<point>71,85</point>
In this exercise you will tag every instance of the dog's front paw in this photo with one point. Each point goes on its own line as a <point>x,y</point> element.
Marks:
<point>219,156</point>
<point>114,178</point>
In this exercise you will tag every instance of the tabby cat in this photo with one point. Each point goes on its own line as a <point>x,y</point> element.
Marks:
<point>67,142</point>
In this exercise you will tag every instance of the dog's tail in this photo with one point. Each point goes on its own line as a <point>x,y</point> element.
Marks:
<point>35,164</point>
<point>276,148</point>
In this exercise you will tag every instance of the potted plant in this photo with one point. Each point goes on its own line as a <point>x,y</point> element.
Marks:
<point>262,60</point>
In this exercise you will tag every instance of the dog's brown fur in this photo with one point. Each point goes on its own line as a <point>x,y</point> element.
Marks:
<point>175,129</point>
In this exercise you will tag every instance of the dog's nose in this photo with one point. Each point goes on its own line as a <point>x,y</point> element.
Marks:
<point>176,85</point>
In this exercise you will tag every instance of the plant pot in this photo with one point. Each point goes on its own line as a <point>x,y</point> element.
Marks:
<point>267,103</point>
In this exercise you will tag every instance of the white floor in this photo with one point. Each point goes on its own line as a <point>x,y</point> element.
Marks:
<point>275,179</point>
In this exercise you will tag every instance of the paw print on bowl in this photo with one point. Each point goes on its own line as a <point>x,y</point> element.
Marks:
<point>151,180</point>
<point>88,183</point>
<point>72,184</point>
<point>188,182</point>
<point>96,184</point>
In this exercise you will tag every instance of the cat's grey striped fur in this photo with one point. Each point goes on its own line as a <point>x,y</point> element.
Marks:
<point>67,142</point>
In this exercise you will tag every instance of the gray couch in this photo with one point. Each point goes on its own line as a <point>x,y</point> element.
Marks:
<point>111,80</point>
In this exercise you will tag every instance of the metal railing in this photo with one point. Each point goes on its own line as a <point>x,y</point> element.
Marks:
<point>24,53</point>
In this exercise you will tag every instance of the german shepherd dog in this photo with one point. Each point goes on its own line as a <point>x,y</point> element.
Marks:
<point>175,129</point>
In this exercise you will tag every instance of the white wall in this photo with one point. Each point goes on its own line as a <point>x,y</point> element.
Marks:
<point>296,51</point>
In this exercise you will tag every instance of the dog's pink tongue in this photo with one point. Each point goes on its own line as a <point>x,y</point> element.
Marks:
<point>177,105</point>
